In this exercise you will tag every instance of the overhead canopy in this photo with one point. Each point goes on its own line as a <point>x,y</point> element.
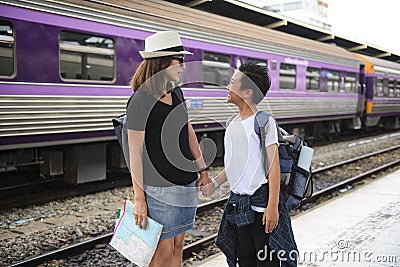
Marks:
<point>248,13</point>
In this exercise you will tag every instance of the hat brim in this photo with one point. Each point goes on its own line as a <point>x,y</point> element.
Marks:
<point>146,55</point>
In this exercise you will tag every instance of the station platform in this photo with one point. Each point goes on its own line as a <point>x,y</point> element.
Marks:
<point>360,228</point>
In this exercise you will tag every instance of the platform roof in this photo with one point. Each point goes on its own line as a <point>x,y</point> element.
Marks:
<point>242,11</point>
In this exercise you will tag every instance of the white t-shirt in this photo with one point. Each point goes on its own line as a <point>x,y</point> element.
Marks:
<point>243,157</point>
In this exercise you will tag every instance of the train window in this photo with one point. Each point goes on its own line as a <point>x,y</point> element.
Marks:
<point>333,80</point>
<point>350,82</point>
<point>257,61</point>
<point>217,69</point>
<point>7,53</point>
<point>391,88</point>
<point>313,78</point>
<point>398,88</point>
<point>86,57</point>
<point>379,87</point>
<point>287,79</point>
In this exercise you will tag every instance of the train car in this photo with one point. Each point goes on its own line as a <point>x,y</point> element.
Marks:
<point>382,98</point>
<point>65,66</point>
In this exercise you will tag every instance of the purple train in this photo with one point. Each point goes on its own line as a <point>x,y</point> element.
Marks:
<point>65,66</point>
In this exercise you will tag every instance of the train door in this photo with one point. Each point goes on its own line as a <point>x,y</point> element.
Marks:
<point>361,92</point>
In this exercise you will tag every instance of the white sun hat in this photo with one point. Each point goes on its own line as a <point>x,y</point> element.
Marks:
<point>161,44</point>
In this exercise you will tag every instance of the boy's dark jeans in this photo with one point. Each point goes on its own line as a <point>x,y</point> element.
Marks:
<point>253,249</point>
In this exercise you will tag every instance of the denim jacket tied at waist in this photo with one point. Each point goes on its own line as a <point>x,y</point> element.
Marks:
<point>238,212</point>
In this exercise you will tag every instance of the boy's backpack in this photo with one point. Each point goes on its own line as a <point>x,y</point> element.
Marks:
<point>296,183</point>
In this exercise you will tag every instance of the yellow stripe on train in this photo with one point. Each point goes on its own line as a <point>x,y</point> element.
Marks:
<point>368,108</point>
<point>369,67</point>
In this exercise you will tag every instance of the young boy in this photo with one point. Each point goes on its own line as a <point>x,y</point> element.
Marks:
<point>254,220</point>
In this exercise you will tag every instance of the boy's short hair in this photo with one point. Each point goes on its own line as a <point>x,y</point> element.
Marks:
<point>256,78</point>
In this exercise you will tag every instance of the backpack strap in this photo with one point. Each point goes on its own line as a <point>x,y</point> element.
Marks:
<point>260,121</point>
<point>281,132</point>
<point>129,100</point>
<point>178,92</point>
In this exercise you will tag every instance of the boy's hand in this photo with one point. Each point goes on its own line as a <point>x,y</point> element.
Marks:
<point>208,189</point>
<point>270,218</point>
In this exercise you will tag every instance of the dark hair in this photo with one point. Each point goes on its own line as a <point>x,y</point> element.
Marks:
<point>257,79</point>
<point>147,76</point>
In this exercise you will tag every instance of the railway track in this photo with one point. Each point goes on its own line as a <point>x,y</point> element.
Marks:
<point>330,189</point>
<point>21,196</point>
<point>198,245</point>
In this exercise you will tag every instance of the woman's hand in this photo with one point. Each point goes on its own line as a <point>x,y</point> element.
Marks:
<point>140,212</point>
<point>270,218</point>
<point>205,185</point>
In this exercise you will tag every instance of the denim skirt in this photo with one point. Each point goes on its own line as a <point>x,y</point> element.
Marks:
<point>174,207</point>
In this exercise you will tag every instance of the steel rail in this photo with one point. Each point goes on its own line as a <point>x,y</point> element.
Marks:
<point>329,189</point>
<point>351,160</point>
<point>23,187</point>
<point>64,252</point>
<point>202,208</point>
<point>55,190</point>
<point>198,245</point>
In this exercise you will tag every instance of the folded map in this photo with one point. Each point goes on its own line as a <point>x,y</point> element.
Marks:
<point>135,244</point>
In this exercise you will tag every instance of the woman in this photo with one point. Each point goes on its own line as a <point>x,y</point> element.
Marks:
<point>165,158</point>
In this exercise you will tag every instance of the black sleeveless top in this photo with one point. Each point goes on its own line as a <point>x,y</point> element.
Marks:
<point>167,159</point>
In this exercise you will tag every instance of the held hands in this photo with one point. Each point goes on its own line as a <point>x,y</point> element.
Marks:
<point>270,218</point>
<point>210,188</point>
<point>204,184</point>
<point>140,212</point>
